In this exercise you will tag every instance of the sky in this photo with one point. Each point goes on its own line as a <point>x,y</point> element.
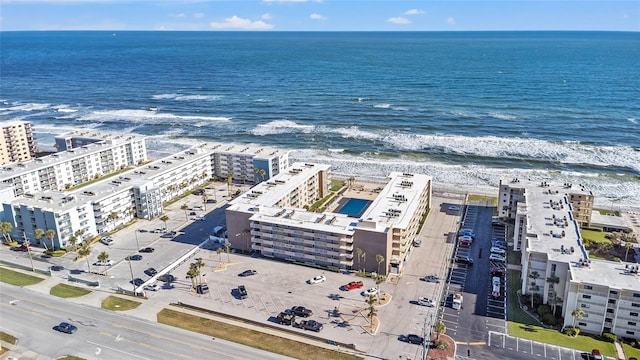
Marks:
<point>320,15</point>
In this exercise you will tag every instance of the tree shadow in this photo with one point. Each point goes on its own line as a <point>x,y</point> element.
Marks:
<point>529,328</point>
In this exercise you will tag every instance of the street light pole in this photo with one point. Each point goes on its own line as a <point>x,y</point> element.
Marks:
<point>27,243</point>
<point>136,233</point>
<point>132,282</point>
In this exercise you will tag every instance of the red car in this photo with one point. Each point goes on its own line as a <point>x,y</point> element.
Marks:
<point>23,247</point>
<point>354,285</point>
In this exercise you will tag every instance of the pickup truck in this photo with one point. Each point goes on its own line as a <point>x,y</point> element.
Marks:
<point>310,325</point>
<point>286,317</point>
<point>354,285</point>
<point>242,291</point>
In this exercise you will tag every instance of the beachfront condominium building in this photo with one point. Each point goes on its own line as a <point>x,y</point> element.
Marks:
<point>248,163</point>
<point>17,143</point>
<point>63,170</point>
<point>372,235</point>
<point>555,264</point>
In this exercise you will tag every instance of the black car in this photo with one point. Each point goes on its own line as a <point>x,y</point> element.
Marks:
<point>415,339</point>
<point>287,317</point>
<point>65,328</point>
<point>151,271</point>
<point>147,250</point>
<point>464,260</point>
<point>167,278</point>
<point>242,291</point>
<point>137,282</point>
<point>301,311</point>
<point>134,257</point>
<point>311,325</point>
<point>247,273</point>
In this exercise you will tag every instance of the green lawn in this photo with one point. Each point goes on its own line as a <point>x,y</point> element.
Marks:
<point>631,351</point>
<point>68,291</point>
<point>514,313</point>
<point>18,278</point>
<point>550,336</point>
<point>117,303</point>
<point>594,236</point>
<point>476,197</point>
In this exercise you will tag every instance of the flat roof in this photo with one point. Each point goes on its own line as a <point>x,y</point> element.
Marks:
<point>609,220</point>
<point>260,152</point>
<point>609,273</point>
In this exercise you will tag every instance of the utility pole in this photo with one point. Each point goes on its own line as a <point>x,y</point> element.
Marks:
<point>27,243</point>
<point>132,282</point>
<point>136,233</point>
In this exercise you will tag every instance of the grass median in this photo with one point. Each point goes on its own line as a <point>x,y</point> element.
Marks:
<point>68,291</point>
<point>248,337</point>
<point>18,278</point>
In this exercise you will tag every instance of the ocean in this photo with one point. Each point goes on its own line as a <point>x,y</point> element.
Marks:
<point>467,108</point>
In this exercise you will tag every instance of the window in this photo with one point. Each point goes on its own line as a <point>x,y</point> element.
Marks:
<point>610,311</point>
<point>585,306</point>
<point>582,323</point>
<point>633,314</point>
<point>636,295</point>
<point>632,323</point>
<point>588,287</point>
<point>553,268</point>
<point>586,296</point>
<point>611,301</point>
<point>631,332</point>
<point>635,304</point>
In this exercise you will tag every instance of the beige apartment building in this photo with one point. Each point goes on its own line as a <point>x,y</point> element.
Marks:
<point>17,143</point>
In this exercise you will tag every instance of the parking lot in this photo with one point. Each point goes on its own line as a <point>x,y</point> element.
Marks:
<point>534,348</point>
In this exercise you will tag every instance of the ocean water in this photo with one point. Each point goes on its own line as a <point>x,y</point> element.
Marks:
<point>465,107</point>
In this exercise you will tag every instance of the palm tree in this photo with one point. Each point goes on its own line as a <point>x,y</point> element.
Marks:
<point>38,234</point>
<point>73,241</point>
<point>192,274</point>
<point>534,287</point>
<point>6,229</point>
<point>219,251</point>
<point>577,315</point>
<point>379,280</point>
<point>553,280</point>
<point>102,257</point>
<point>171,189</point>
<point>113,217</point>
<point>204,201</point>
<point>164,218</point>
<point>359,254</point>
<point>628,246</point>
<point>228,246</point>
<point>184,207</point>
<point>85,251</point>
<point>379,259</point>
<point>440,329</point>
<point>244,179</point>
<point>199,264</point>
<point>229,181</point>
<point>51,234</point>
<point>372,311</point>
<point>554,300</point>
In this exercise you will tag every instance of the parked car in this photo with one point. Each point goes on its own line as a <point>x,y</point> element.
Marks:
<point>425,302</point>
<point>134,257</point>
<point>498,270</point>
<point>317,279</point>
<point>431,278</point>
<point>415,339</point>
<point>468,232</point>
<point>370,292</point>
<point>147,250</point>
<point>417,242</point>
<point>286,317</point>
<point>152,287</point>
<point>106,240</point>
<point>465,240</point>
<point>65,328</point>
<point>151,271</point>
<point>137,282</point>
<point>354,285</point>
<point>311,325</point>
<point>159,230</point>
<point>499,244</point>
<point>242,292</point>
<point>167,278</point>
<point>454,208</point>
<point>247,273</point>
<point>107,262</point>
<point>464,260</point>
<point>169,235</point>
<point>596,355</point>
<point>496,257</point>
<point>23,247</point>
<point>497,250</point>
<point>301,311</point>
<point>200,217</point>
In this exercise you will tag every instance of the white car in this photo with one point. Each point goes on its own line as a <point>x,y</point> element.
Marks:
<point>425,302</point>
<point>317,279</point>
<point>108,262</point>
<point>496,257</point>
<point>106,240</point>
<point>369,292</point>
<point>152,287</point>
<point>497,250</point>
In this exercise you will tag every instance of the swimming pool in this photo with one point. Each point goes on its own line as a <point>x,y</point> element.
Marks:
<point>354,207</point>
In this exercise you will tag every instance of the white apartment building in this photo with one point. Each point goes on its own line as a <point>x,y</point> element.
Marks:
<point>17,142</point>
<point>271,219</point>
<point>248,163</point>
<point>63,170</point>
<point>547,219</point>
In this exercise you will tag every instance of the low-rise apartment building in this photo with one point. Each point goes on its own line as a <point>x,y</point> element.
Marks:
<point>555,264</point>
<point>17,142</point>
<point>272,219</point>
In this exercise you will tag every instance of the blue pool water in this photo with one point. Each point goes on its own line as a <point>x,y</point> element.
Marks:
<point>354,207</point>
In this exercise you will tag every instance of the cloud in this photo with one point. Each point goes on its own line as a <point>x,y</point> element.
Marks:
<point>289,1</point>
<point>179,16</point>
<point>198,15</point>
<point>414,12</point>
<point>317,17</point>
<point>451,20</point>
<point>235,22</point>
<point>399,20</point>
<point>266,16</point>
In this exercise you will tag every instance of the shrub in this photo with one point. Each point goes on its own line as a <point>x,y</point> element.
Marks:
<point>549,319</point>
<point>441,344</point>
<point>543,309</point>
<point>609,337</point>
<point>572,331</point>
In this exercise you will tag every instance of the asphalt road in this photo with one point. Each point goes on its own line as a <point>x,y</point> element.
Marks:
<point>31,316</point>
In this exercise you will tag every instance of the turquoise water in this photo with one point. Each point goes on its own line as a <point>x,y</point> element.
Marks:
<point>354,207</point>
